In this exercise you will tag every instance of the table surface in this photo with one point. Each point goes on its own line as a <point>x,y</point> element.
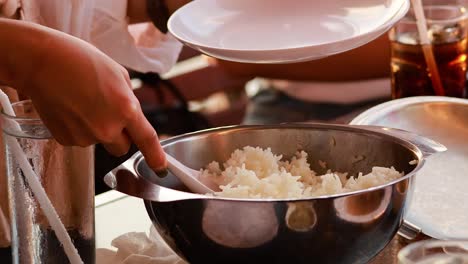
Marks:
<point>117,214</point>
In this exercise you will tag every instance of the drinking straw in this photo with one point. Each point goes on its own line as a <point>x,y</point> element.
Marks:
<point>427,47</point>
<point>38,190</point>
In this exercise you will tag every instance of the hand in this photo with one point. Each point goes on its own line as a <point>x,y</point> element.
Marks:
<point>84,97</point>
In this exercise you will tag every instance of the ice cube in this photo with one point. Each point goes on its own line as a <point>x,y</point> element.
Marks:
<point>439,34</point>
<point>409,38</point>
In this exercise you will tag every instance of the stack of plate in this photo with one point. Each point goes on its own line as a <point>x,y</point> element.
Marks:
<point>277,31</point>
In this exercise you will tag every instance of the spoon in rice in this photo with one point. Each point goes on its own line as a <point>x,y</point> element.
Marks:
<point>189,177</point>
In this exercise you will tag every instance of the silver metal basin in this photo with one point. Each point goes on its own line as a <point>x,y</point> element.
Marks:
<point>342,228</point>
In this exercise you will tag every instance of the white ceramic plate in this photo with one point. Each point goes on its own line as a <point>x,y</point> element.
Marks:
<point>278,31</point>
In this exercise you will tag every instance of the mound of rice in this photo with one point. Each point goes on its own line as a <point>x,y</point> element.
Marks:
<point>259,173</point>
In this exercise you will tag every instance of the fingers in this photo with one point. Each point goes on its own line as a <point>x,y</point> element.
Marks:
<point>145,137</point>
<point>119,146</point>
<point>127,78</point>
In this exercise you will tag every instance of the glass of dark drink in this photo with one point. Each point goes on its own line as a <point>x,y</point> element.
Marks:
<point>447,29</point>
<point>67,175</point>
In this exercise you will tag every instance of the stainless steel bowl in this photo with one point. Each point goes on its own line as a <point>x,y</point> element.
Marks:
<point>343,228</point>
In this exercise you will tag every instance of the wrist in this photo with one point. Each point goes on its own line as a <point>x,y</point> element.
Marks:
<point>40,60</point>
<point>24,45</point>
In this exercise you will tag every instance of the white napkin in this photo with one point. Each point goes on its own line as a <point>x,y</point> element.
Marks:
<point>138,248</point>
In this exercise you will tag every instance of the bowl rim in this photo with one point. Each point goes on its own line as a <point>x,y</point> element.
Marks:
<point>408,145</point>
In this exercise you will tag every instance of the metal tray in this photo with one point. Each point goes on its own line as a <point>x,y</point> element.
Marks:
<point>440,202</point>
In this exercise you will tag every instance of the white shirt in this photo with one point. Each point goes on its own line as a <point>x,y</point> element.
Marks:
<point>103,23</point>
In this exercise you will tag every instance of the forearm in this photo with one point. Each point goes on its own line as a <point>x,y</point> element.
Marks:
<point>22,45</point>
<point>366,62</point>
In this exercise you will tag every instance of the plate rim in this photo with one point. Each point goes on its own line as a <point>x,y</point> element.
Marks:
<point>405,4</point>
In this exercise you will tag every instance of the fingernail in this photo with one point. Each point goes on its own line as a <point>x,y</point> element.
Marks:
<point>161,172</point>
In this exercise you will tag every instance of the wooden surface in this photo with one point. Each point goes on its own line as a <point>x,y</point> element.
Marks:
<point>389,254</point>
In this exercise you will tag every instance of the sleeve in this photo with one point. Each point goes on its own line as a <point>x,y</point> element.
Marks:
<point>139,47</point>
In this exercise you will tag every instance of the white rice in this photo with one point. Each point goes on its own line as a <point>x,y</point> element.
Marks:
<point>259,173</point>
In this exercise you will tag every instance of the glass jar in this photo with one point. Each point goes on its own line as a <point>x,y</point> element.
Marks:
<point>435,251</point>
<point>67,176</point>
<point>5,232</point>
<point>447,30</point>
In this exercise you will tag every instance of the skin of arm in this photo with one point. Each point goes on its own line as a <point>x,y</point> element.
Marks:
<point>20,60</point>
<point>366,62</point>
